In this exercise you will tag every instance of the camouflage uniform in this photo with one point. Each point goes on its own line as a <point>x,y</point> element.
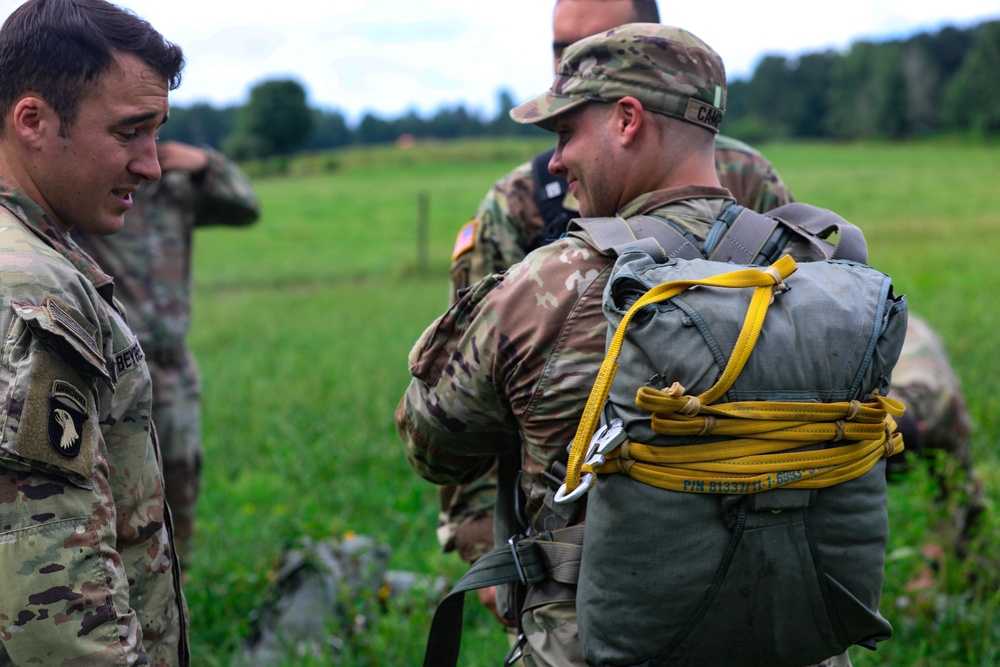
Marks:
<point>509,367</point>
<point>937,419</point>
<point>86,542</point>
<point>150,260</point>
<point>504,230</point>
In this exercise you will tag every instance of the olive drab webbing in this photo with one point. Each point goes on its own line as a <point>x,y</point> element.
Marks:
<point>750,405</point>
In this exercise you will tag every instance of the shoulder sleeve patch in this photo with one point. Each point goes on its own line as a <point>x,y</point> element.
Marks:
<point>51,422</point>
<point>465,240</point>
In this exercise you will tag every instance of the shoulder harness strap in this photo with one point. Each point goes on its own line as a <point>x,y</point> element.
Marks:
<point>743,236</point>
<point>657,237</point>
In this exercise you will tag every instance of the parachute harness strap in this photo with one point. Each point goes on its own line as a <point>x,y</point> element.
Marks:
<point>759,435</point>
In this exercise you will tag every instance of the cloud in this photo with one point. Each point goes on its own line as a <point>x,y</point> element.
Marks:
<point>414,32</point>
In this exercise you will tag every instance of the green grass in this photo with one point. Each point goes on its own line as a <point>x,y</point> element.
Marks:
<point>303,323</point>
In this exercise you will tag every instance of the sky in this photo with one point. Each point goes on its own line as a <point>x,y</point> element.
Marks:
<point>390,57</point>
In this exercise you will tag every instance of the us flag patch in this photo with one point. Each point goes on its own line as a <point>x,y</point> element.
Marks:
<point>465,240</point>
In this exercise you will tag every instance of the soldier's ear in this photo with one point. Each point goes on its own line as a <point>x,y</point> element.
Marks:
<point>34,121</point>
<point>629,118</point>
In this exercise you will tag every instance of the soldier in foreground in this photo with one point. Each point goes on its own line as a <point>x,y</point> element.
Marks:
<point>530,207</point>
<point>150,260</point>
<point>86,548</point>
<point>510,366</point>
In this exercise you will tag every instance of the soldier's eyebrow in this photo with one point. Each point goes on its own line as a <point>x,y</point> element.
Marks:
<point>140,118</point>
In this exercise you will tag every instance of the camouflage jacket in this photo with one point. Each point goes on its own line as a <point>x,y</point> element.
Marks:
<point>150,258</point>
<point>508,219</point>
<point>513,360</point>
<point>502,233</point>
<point>90,576</point>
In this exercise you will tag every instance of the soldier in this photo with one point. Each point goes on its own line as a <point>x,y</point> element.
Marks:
<point>508,368</point>
<point>517,216</point>
<point>150,260</point>
<point>937,420</point>
<point>86,545</point>
<point>530,207</point>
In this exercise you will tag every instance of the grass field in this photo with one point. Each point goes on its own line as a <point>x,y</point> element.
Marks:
<point>302,325</point>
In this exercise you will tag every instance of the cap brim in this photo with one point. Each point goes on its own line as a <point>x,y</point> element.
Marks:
<point>543,109</point>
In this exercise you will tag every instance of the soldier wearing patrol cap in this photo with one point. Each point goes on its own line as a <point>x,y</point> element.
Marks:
<point>635,110</point>
<point>530,207</point>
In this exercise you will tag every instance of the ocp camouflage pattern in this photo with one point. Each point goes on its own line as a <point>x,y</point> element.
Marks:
<point>506,224</point>
<point>85,541</point>
<point>511,363</point>
<point>669,70</point>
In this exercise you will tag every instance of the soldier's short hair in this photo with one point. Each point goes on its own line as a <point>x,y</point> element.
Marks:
<point>645,11</point>
<point>60,48</point>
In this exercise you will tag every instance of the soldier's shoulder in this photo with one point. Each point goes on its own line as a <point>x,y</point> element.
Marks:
<point>724,143</point>
<point>520,177</point>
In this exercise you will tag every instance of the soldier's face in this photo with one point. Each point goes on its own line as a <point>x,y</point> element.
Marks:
<point>586,156</point>
<point>573,20</point>
<point>85,177</point>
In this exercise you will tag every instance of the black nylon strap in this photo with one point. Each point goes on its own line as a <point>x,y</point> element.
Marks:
<point>551,555</point>
<point>550,191</point>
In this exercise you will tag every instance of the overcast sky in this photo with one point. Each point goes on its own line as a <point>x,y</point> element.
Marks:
<point>390,56</point>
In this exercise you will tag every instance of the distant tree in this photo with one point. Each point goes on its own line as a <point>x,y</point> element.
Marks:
<point>374,130</point>
<point>867,96</point>
<point>768,93</point>
<point>930,62</point>
<point>330,130</point>
<point>973,97</point>
<point>806,97</point>
<point>275,121</point>
<point>201,124</point>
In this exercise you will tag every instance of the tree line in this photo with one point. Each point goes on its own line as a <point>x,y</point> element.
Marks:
<point>946,81</point>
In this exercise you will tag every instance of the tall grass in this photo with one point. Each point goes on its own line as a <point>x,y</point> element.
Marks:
<point>303,323</point>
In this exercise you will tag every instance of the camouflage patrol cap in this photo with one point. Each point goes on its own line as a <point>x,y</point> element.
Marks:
<point>669,70</point>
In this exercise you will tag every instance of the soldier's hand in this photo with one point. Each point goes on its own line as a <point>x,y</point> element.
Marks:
<point>488,596</point>
<point>175,155</point>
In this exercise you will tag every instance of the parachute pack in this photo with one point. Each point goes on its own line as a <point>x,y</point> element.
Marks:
<point>731,452</point>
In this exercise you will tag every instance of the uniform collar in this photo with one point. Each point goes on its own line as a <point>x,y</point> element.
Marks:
<point>38,222</point>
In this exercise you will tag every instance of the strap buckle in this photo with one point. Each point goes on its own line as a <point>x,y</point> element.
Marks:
<point>516,651</point>
<point>512,542</point>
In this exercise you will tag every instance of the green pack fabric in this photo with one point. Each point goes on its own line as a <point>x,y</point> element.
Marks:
<point>783,577</point>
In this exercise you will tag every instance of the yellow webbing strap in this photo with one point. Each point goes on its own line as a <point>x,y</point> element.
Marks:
<point>755,457</point>
<point>764,280</point>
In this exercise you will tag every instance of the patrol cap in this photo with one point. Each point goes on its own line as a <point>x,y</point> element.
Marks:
<point>669,70</point>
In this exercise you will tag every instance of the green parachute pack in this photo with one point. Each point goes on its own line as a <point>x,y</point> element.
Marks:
<point>731,453</point>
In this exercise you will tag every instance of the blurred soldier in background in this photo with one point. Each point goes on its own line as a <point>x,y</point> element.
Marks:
<point>936,424</point>
<point>530,207</point>
<point>150,260</point>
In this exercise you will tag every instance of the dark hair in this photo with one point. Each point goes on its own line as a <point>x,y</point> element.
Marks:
<point>59,48</point>
<point>646,11</point>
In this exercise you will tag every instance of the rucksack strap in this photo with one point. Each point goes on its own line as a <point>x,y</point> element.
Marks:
<point>819,223</point>
<point>554,555</point>
<point>743,236</point>
<point>550,192</point>
<point>657,237</point>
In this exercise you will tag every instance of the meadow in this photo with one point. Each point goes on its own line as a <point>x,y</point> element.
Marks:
<point>303,323</point>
